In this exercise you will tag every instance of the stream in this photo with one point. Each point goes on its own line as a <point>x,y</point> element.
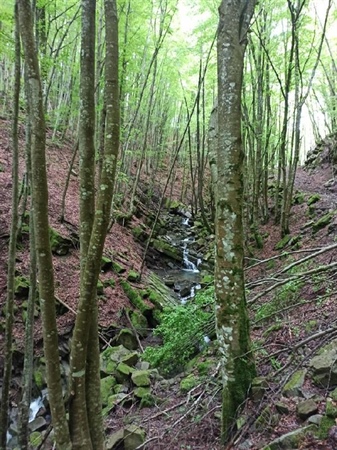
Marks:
<point>184,279</point>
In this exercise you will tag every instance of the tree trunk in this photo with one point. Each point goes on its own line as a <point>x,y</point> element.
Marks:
<point>232,322</point>
<point>41,226</point>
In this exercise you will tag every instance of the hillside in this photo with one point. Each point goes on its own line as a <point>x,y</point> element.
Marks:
<point>289,321</point>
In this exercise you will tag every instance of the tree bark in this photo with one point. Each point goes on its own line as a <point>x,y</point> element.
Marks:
<point>232,322</point>
<point>41,226</point>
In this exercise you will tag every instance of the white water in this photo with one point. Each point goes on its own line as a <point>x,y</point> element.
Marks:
<point>189,265</point>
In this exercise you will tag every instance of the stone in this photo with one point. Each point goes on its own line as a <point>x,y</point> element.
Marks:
<point>60,245</point>
<point>100,288</point>
<point>107,385</point>
<point>114,400</point>
<point>111,357</point>
<point>134,436</point>
<point>323,222</point>
<point>281,407</point>
<point>37,423</point>
<point>117,268</point>
<point>106,264</point>
<point>306,409</point>
<point>141,377</point>
<point>142,391</point>
<point>324,366</point>
<point>127,339</point>
<point>259,386</point>
<point>123,372</point>
<point>175,253</point>
<point>313,199</point>
<point>21,286</point>
<point>283,242</point>
<point>294,386</point>
<point>110,282</point>
<point>133,276</point>
<point>316,419</point>
<point>189,382</point>
<point>114,439</point>
<point>131,359</point>
<point>291,440</point>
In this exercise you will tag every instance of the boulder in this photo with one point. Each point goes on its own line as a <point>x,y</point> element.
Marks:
<point>167,249</point>
<point>134,436</point>
<point>111,357</point>
<point>127,338</point>
<point>141,378</point>
<point>123,372</point>
<point>290,440</point>
<point>306,409</point>
<point>107,385</point>
<point>60,245</point>
<point>114,440</point>
<point>294,386</point>
<point>324,366</point>
<point>259,386</point>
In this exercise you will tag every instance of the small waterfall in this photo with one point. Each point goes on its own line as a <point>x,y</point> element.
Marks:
<point>189,265</point>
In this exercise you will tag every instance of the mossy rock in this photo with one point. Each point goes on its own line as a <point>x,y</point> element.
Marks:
<point>133,276</point>
<point>106,264</point>
<point>140,233</point>
<point>259,387</point>
<point>313,199</point>
<point>135,298</point>
<point>110,282</point>
<point>298,198</point>
<point>39,376</point>
<point>118,268</point>
<point>107,388</point>
<point>174,206</point>
<point>323,222</point>
<point>113,401</point>
<point>134,437</point>
<point>123,372</point>
<point>100,287</point>
<point>293,387</point>
<point>189,382</point>
<point>131,359</point>
<point>142,391</point>
<point>141,378</point>
<point>111,357</point>
<point>21,286</point>
<point>292,439</point>
<point>127,338</point>
<point>283,242</point>
<point>59,244</point>
<point>140,323</point>
<point>175,253</point>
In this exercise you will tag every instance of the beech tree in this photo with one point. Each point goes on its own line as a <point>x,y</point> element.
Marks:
<point>232,322</point>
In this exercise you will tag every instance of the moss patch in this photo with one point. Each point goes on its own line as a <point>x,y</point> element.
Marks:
<point>322,222</point>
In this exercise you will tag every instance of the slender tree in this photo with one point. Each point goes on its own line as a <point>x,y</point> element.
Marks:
<point>232,322</point>
<point>12,244</point>
<point>41,227</point>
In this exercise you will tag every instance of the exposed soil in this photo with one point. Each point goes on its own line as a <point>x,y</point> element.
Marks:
<point>191,421</point>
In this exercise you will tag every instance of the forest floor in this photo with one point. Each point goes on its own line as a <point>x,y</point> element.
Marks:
<point>191,421</point>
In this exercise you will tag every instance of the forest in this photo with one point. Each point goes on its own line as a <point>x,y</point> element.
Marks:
<point>168,202</point>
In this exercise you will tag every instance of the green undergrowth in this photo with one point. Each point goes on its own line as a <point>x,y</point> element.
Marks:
<point>291,293</point>
<point>182,330</point>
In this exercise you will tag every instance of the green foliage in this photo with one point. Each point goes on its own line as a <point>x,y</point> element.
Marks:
<point>182,330</point>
